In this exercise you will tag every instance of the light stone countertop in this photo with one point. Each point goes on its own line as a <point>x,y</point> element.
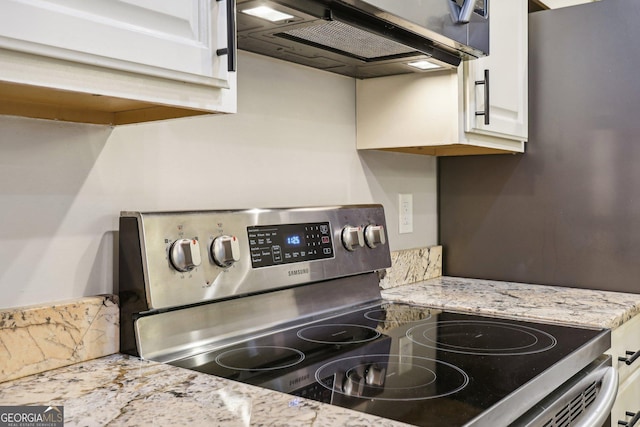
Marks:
<point>547,304</point>
<point>121,390</point>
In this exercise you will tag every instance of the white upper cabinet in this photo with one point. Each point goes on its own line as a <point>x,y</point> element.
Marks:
<point>115,57</point>
<point>435,113</point>
<point>506,71</point>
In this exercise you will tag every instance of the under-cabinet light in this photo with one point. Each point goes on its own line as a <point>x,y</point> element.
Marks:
<point>423,65</point>
<point>265,12</point>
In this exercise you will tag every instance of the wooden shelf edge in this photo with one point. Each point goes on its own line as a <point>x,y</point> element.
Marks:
<point>447,150</point>
<point>155,113</point>
<point>54,104</point>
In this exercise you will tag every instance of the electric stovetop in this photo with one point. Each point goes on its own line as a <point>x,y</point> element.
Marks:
<point>416,365</point>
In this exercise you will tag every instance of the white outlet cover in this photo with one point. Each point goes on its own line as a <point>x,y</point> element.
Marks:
<point>405,213</point>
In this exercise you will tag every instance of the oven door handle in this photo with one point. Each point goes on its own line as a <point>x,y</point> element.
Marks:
<point>600,409</point>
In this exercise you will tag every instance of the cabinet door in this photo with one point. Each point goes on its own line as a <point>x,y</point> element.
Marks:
<point>165,38</point>
<point>507,68</point>
<point>628,399</point>
<point>625,338</point>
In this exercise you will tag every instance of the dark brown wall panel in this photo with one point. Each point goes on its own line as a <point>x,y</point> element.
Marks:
<point>567,212</point>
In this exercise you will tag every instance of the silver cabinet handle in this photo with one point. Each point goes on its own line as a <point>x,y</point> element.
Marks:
<point>230,50</point>
<point>630,360</point>
<point>484,82</point>
<point>600,409</point>
<point>632,421</point>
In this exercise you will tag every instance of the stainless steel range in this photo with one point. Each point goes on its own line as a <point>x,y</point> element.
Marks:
<point>289,299</point>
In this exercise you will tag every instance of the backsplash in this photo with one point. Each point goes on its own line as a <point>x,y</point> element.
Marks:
<point>413,265</point>
<point>38,339</point>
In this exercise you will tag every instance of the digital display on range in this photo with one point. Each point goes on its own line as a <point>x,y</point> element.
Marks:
<point>294,240</point>
<point>289,243</point>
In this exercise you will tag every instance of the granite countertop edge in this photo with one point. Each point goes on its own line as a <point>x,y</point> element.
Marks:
<point>522,301</point>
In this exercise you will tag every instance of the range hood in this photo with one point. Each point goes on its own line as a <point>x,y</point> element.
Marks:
<point>369,38</point>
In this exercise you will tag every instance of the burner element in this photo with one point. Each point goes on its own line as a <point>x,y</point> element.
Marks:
<point>338,334</point>
<point>259,358</point>
<point>392,377</point>
<point>482,338</point>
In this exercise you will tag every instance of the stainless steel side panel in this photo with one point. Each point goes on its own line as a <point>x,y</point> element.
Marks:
<point>181,333</point>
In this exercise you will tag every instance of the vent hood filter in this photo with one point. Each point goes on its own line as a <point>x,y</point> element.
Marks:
<point>367,38</point>
<point>348,40</point>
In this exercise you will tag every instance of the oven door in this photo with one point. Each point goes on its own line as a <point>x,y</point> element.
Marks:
<point>583,401</point>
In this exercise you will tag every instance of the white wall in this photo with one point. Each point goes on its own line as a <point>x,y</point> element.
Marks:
<point>292,143</point>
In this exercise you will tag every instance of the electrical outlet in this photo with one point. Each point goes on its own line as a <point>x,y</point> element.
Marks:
<point>405,209</point>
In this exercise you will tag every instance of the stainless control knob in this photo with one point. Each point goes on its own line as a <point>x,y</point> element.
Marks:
<point>353,384</point>
<point>185,254</point>
<point>374,235</point>
<point>375,375</point>
<point>352,237</point>
<point>225,250</point>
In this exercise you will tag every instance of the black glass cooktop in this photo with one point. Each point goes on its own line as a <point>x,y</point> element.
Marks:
<point>416,365</point>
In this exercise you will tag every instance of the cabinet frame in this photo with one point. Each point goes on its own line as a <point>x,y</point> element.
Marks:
<point>47,82</point>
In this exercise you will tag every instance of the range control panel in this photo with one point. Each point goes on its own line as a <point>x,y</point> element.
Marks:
<point>285,244</point>
<point>191,257</point>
